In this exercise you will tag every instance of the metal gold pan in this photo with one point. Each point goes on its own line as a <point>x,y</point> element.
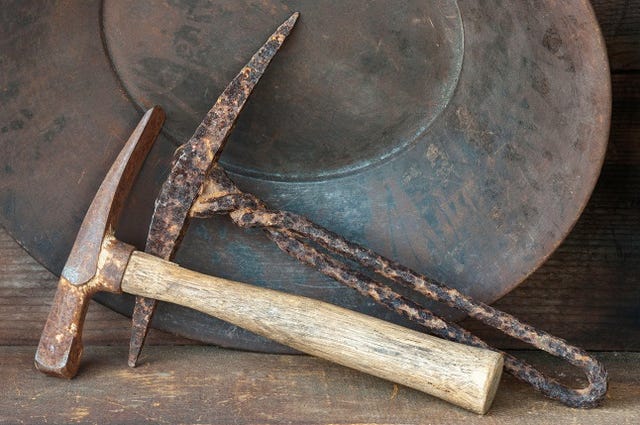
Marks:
<point>462,140</point>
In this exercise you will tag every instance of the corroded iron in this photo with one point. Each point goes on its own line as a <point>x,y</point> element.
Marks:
<point>482,132</point>
<point>192,162</point>
<point>97,261</point>
<point>335,257</point>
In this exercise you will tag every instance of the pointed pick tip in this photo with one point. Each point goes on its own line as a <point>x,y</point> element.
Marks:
<point>132,361</point>
<point>140,321</point>
<point>135,347</point>
<point>291,21</point>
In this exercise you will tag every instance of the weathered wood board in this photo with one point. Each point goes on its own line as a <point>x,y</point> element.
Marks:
<point>210,385</point>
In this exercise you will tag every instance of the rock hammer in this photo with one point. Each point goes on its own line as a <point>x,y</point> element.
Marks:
<point>463,375</point>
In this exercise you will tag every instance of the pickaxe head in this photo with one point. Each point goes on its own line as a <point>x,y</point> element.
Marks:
<point>90,268</point>
<point>193,161</point>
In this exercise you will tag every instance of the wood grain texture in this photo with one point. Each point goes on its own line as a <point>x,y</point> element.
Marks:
<point>465,376</point>
<point>588,292</point>
<point>209,385</point>
<point>620,24</point>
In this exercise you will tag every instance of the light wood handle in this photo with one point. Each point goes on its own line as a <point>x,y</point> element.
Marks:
<point>463,375</point>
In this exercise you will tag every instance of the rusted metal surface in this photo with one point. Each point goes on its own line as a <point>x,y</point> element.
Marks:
<point>192,162</point>
<point>478,200</point>
<point>97,261</point>
<point>107,205</point>
<point>297,236</point>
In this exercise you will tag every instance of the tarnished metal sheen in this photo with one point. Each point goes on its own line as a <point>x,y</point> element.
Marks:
<point>94,266</point>
<point>195,170</point>
<point>198,187</point>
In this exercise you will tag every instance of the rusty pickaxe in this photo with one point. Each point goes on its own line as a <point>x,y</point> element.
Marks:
<point>192,163</point>
<point>466,376</point>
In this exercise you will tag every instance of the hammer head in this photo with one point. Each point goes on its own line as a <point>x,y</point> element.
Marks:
<point>90,267</point>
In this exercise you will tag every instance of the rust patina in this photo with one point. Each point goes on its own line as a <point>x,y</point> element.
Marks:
<point>514,100</point>
<point>192,163</point>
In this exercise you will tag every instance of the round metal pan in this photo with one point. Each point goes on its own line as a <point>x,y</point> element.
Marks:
<point>461,139</point>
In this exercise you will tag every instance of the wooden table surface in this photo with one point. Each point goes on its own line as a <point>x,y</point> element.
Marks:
<point>178,382</point>
<point>588,292</point>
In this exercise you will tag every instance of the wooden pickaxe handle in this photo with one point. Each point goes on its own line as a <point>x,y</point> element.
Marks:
<point>463,375</point>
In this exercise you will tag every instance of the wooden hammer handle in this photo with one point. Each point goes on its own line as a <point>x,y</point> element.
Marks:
<point>463,375</point>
